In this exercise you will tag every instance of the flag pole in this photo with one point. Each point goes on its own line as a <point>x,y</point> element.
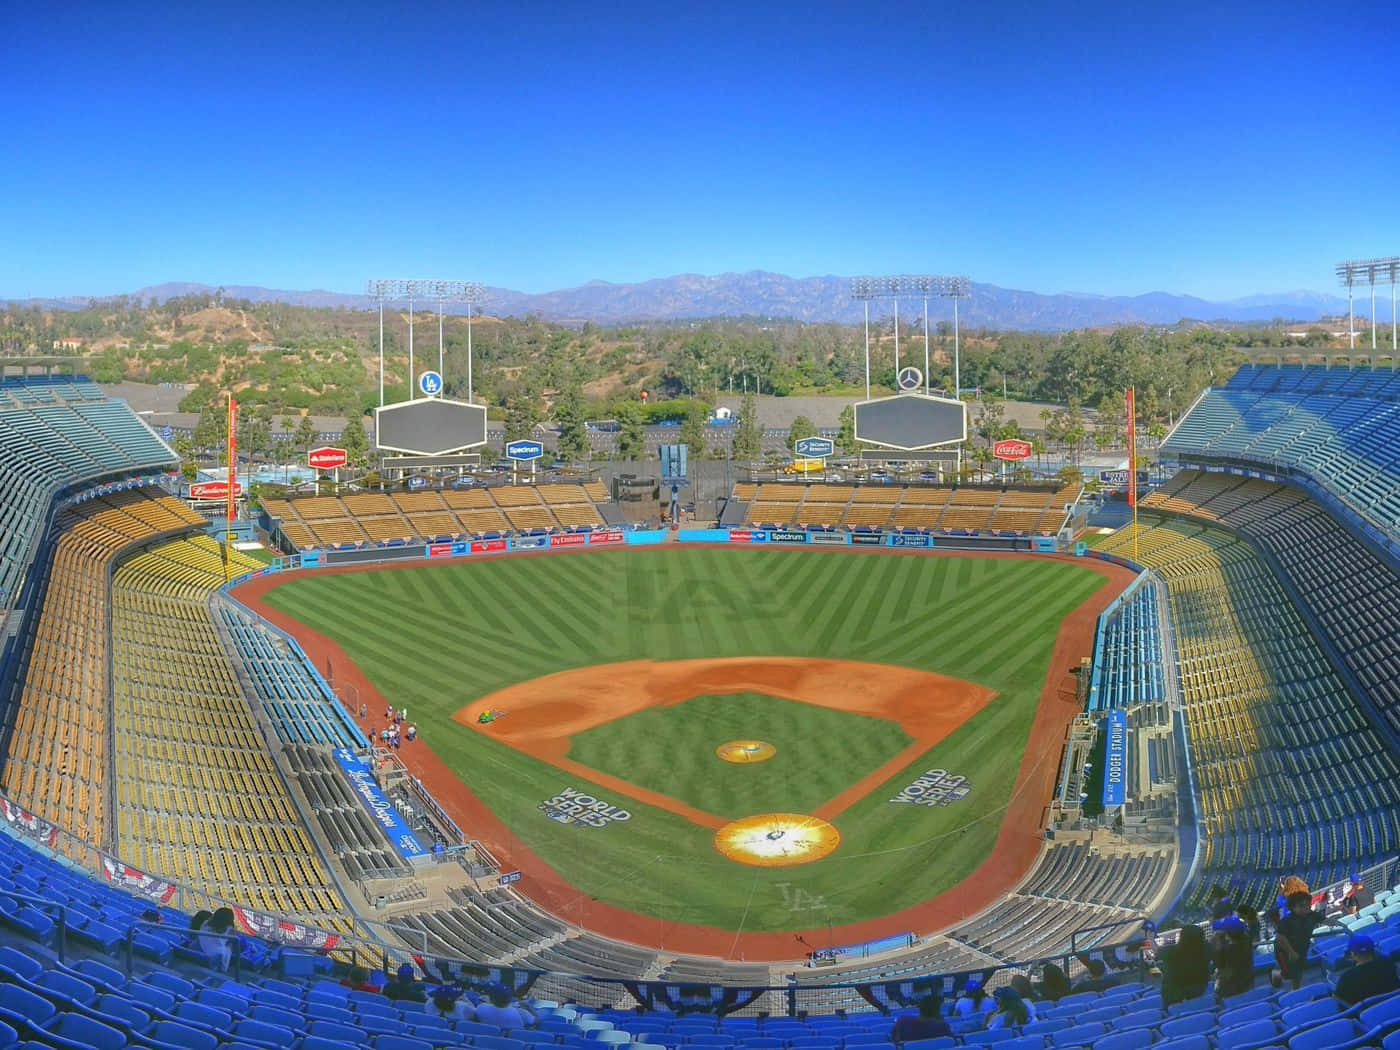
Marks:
<point>1132,468</point>
<point>232,451</point>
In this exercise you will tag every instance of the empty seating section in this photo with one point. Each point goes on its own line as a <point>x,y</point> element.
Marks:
<point>198,796</point>
<point>497,925</point>
<point>57,761</point>
<point>329,521</point>
<point>1340,426</point>
<point>965,508</point>
<point>358,842</point>
<point>1351,592</point>
<point>1128,653</point>
<point>296,700</point>
<point>1291,776</point>
<point>56,432</point>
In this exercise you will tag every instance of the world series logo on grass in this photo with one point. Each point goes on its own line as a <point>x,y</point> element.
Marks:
<point>937,787</point>
<point>572,806</point>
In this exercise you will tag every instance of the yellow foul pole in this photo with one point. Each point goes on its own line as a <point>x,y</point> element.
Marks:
<point>1132,468</point>
<point>231,506</point>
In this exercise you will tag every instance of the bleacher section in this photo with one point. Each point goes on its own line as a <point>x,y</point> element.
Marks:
<point>296,700</point>
<point>199,798</point>
<point>447,514</point>
<point>1019,511</point>
<point>1351,592</point>
<point>56,432</point>
<point>57,761</point>
<point>1338,426</point>
<point>1128,652</point>
<point>1290,775</point>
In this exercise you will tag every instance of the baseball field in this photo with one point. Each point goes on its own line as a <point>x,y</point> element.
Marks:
<point>622,713</point>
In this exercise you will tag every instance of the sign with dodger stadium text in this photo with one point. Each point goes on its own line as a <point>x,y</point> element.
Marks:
<point>572,806</point>
<point>936,787</point>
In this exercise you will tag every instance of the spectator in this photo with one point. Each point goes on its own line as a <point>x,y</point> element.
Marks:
<point>411,732</point>
<point>1186,969</point>
<point>1054,985</point>
<point>1234,957</point>
<point>1251,921</point>
<point>1222,906</point>
<point>405,987</point>
<point>1370,974</point>
<point>1022,984</point>
<point>364,710</point>
<point>358,980</point>
<point>973,1000</point>
<point>1012,1011</point>
<point>1358,896</point>
<point>216,947</point>
<point>928,1023</point>
<point>501,1012</point>
<point>1293,938</point>
<point>1098,980</point>
<point>451,1005</point>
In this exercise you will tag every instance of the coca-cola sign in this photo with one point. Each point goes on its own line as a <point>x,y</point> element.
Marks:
<point>1012,449</point>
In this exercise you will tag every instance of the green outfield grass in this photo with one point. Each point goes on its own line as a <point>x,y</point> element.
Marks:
<point>436,637</point>
<point>820,752</point>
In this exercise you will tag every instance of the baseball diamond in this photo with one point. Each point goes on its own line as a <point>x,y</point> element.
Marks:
<point>613,677</point>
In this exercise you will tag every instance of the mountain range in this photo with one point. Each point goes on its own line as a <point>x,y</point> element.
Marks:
<point>760,294</point>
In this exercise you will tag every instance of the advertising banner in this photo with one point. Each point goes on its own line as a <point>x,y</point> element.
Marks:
<point>327,458</point>
<point>907,541</point>
<point>125,877</point>
<point>786,536</point>
<point>527,543</point>
<point>568,539</point>
<point>361,776</point>
<point>867,539</point>
<point>1045,545</point>
<point>487,546</point>
<point>646,537</point>
<point>461,547</point>
<point>827,537</point>
<point>439,550</point>
<point>310,559</point>
<point>606,536</point>
<point>1012,449</point>
<point>1115,758</point>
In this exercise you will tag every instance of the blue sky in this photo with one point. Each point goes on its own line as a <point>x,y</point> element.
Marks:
<point>1218,150</point>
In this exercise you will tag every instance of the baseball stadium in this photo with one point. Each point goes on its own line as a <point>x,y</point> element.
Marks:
<point>776,777</point>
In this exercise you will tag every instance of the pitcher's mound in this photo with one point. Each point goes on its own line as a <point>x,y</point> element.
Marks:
<point>742,752</point>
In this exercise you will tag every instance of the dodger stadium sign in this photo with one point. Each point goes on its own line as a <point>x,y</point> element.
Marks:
<point>572,806</point>
<point>937,787</point>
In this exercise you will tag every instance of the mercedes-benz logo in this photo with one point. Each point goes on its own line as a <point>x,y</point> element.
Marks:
<point>910,378</point>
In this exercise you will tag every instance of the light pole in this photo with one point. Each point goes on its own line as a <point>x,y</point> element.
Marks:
<point>865,289</point>
<point>392,289</point>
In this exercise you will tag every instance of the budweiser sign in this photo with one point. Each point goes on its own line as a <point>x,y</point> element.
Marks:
<point>327,458</point>
<point>214,490</point>
<point>1012,449</point>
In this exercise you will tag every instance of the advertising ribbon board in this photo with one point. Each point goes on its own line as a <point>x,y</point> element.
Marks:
<point>786,536</point>
<point>361,776</point>
<point>487,546</point>
<point>867,539</point>
<point>568,539</point>
<point>606,536</point>
<point>908,541</point>
<point>526,543</point>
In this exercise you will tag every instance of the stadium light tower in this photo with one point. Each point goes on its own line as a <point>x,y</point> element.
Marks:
<point>865,289</point>
<point>397,289</point>
<point>1352,272</point>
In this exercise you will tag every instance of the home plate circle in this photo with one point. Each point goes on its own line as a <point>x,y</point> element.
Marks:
<point>743,751</point>
<point>777,840</point>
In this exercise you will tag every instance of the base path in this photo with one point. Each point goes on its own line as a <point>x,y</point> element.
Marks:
<point>1017,846</point>
<point>541,717</point>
